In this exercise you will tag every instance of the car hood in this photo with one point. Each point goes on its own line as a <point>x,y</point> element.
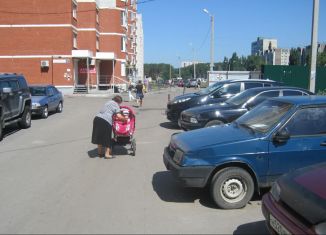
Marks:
<point>37,99</point>
<point>303,191</point>
<point>192,141</point>
<point>185,96</point>
<point>209,108</point>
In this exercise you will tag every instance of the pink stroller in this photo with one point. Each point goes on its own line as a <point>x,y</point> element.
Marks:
<point>123,132</point>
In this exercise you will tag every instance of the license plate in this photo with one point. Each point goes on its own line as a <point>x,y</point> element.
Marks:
<point>277,226</point>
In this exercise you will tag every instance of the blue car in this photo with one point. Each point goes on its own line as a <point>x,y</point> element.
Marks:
<point>45,99</point>
<point>234,160</point>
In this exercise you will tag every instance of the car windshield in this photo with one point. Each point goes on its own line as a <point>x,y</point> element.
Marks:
<point>265,116</point>
<point>211,88</point>
<point>38,91</point>
<point>241,98</point>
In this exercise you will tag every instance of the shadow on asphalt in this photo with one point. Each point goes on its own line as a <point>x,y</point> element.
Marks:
<point>169,190</point>
<point>92,153</point>
<point>252,228</point>
<point>11,129</point>
<point>170,125</point>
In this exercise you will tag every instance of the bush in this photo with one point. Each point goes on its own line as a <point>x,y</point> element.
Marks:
<point>321,92</point>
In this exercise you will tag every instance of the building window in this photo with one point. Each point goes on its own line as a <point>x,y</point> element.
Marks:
<point>123,44</point>
<point>75,40</point>
<point>97,17</point>
<point>97,43</point>
<point>74,10</point>
<point>123,69</point>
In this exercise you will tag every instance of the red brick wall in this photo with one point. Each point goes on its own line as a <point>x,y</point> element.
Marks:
<point>86,15</point>
<point>86,40</point>
<point>35,41</point>
<point>36,12</point>
<point>32,71</point>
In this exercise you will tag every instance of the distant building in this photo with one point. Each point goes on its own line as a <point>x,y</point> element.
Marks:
<point>278,56</point>
<point>262,45</point>
<point>188,63</point>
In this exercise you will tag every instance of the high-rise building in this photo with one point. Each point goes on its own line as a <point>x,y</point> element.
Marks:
<point>278,56</point>
<point>72,44</point>
<point>263,45</point>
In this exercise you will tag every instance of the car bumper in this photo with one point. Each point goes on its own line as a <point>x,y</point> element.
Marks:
<point>271,208</point>
<point>188,176</point>
<point>37,111</point>
<point>172,115</point>
<point>190,126</point>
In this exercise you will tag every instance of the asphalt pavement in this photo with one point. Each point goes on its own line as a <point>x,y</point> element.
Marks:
<point>52,181</point>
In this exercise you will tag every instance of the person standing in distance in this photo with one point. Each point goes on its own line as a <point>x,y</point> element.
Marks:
<point>102,126</point>
<point>140,93</point>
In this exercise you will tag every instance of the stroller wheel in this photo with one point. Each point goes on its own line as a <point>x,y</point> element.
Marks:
<point>133,147</point>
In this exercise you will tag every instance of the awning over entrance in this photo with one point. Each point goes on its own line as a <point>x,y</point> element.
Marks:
<point>105,56</point>
<point>81,54</point>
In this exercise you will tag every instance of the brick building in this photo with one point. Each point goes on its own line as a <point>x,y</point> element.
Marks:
<point>81,45</point>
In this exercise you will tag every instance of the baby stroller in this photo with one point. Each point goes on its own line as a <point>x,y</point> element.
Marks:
<point>123,132</point>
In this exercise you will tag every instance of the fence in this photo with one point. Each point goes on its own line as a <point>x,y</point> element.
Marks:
<point>295,75</point>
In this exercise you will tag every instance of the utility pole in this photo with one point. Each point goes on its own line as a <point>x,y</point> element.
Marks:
<point>194,62</point>
<point>212,39</point>
<point>314,38</point>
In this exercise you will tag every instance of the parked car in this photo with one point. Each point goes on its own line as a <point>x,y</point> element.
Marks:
<point>216,93</point>
<point>296,203</point>
<point>277,136</point>
<point>191,83</point>
<point>46,98</point>
<point>15,101</point>
<point>233,108</point>
<point>180,83</point>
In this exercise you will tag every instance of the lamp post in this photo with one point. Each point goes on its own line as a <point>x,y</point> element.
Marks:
<point>212,39</point>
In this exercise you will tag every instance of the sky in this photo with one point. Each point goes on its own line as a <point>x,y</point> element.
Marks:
<point>179,30</point>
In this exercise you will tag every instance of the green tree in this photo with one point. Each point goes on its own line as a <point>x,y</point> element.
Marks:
<point>295,56</point>
<point>254,63</point>
<point>321,59</point>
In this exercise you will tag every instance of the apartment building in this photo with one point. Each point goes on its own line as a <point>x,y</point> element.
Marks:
<point>77,45</point>
<point>278,56</point>
<point>261,45</point>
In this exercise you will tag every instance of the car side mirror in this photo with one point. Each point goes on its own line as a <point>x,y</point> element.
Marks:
<point>282,136</point>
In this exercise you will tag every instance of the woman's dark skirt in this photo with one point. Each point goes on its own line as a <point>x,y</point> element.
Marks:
<point>102,131</point>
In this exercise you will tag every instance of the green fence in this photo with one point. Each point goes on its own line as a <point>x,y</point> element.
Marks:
<point>295,75</point>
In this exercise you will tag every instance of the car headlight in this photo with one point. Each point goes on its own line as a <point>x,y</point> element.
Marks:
<point>276,191</point>
<point>178,156</point>
<point>36,105</point>
<point>204,99</point>
<point>181,100</point>
<point>321,228</point>
<point>193,120</point>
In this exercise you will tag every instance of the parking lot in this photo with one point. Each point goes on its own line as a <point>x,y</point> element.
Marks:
<point>52,182</point>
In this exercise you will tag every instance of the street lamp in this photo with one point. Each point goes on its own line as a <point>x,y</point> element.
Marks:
<point>212,39</point>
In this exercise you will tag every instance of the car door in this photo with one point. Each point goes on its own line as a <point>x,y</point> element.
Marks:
<point>5,100</point>
<point>225,92</point>
<point>306,145</point>
<point>51,98</point>
<point>15,99</point>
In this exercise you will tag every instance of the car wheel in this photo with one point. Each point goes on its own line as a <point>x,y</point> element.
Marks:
<point>26,120</point>
<point>60,107</point>
<point>214,123</point>
<point>232,188</point>
<point>45,112</point>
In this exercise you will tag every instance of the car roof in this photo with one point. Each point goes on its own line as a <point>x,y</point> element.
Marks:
<point>9,75</point>
<point>303,100</point>
<point>40,85</point>
<point>258,89</point>
<point>248,80</point>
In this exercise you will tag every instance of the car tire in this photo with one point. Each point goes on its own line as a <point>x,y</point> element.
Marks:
<point>26,120</point>
<point>45,112</point>
<point>214,123</point>
<point>232,188</point>
<point>60,107</point>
